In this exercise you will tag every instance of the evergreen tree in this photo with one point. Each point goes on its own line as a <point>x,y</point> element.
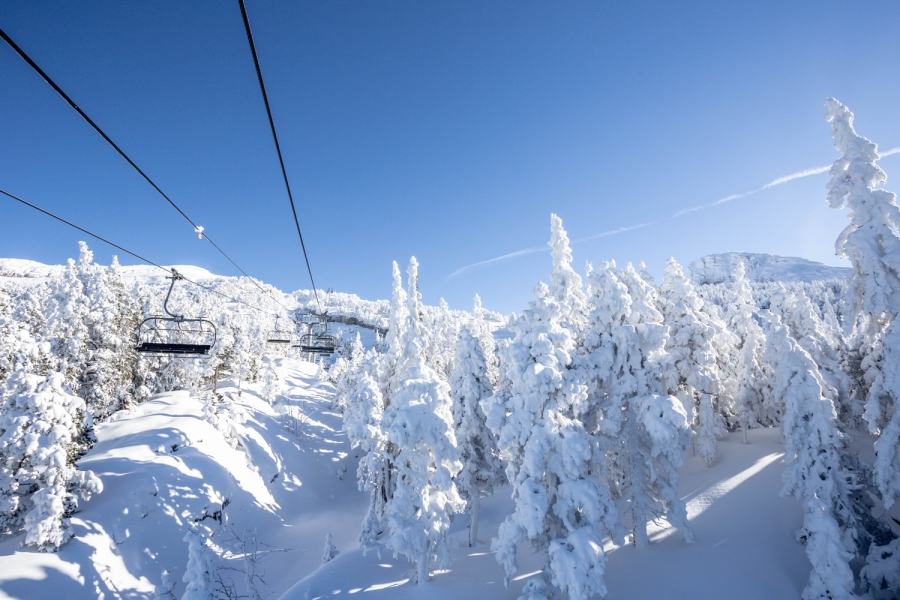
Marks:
<point>40,426</point>
<point>565,283</point>
<point>815,474</point>
<point>469,385</point>
<point>871,243</point>
<point>419,426</point>
<point>749,373</point>
<point>692,371</point>
<point>562,506</point>
<point>643,432</point>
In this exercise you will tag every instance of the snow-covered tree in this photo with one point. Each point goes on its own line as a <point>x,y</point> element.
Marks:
<point>562,505</point>
<point>815,474</point>
<point>643,433</point>
<point>871,243</point>
<point>166,588</point>
<point>388,376</point>
<point>363,413</point>
<point>419,426</point>
<point>748,370</point>
<point>330,551</point>
<point>480,329</point>
<point>66,329</point>
<point>798,314</point>
<point>40,426</point>
<point>691,372</point>
<point>200,572</point>
<point>469,385</point>
<point>565,283</point>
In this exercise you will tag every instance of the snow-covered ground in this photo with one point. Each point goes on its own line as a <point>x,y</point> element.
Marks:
<point>291,480</point>
<point>163,467</point>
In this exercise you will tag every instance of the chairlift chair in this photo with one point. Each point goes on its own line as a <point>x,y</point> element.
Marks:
<point>175,335</point>
<point>317,339</point>
<point>277,336</point>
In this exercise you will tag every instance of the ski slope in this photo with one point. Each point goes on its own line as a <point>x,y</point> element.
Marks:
<point>291,479</point>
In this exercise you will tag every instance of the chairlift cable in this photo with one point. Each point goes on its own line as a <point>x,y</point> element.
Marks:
<point>199,230</point>
<point>287,185</point>
<point>137,256</point>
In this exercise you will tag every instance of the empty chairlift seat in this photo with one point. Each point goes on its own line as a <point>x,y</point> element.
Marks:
<point>175,335</point>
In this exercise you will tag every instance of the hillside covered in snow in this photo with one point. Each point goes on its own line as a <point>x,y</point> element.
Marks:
<point>721,268</point>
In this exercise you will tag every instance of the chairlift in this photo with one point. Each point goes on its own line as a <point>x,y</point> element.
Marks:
<point>175,335</point>
<point>277,336</point>
<point>317,340</point>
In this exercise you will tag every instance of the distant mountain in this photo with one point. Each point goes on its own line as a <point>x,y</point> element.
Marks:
<point>29,269</point>
<point>719,268</point>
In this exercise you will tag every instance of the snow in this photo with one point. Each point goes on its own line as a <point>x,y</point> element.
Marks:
<point>744,549</point>
<point>719,268</point>
<point>126,536</point>
<point>163,466</point>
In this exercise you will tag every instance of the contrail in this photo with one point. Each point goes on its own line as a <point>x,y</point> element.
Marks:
<point>683,211</point>
<point>493,260</point>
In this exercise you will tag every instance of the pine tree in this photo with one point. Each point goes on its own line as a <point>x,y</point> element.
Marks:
<point>330,551</point>
<point>692,372</point>
<point>565,283</point>
<point>388,371</point>
<point>200,572</point>
<point>643,432</point>
<point>749,373</point>
<point>815,474</point>
<point>871,243</point>
<point>469,385</point>
<point>40,426</point>
<point>419,426</point>
<point>562,506</point>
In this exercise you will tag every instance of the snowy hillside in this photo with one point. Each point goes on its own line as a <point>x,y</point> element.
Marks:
<point>286,480</point>
<point>760,268</point>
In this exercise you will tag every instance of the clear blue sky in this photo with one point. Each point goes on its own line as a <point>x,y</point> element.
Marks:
<point>445,130</point>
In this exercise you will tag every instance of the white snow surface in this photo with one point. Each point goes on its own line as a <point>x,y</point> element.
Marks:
<point>720,268</point>
<point>162,464</point>
<point>31,270</point>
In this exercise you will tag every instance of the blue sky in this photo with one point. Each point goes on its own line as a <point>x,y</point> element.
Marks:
<point>448,131</point>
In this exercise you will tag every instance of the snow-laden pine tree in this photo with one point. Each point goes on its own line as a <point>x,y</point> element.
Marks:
<point>363,411</point>
<point>815,474</point>
<point>442,328</point>
<point>271,387</point>
<point>643,432</point>
<point>201,571</point>
<point>419,426</point>
<point>871,243</point>
<point>692,372</point>
<point>40,426</point>
<point>388,376</point>
<point>480,329</point>
<point>469,385</point>
<point>749,372</point>
<point>798,314</point>
<point>66,328</point>
<point>562,503</point>
<point>106,382</point>
<point>565,283</point>
<point>330,551</point>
